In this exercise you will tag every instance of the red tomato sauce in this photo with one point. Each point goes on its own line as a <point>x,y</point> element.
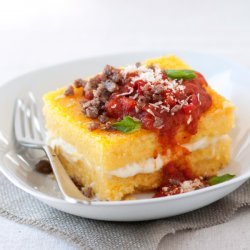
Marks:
<point>195,98</point>
<point>174,175</point>
<point>161,104</point>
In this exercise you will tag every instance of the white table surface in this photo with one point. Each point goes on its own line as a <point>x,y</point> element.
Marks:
<point>35,34</point>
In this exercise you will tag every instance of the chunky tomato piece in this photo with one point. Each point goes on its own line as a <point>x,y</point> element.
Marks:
<point>188,109</point>
<point>139,84</point>
<point>147,121</point>
<point>120,106</point>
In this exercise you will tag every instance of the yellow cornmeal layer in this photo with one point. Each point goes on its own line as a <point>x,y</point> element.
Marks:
<point>170,62</point>
<point>208,161</point>
<point>108,187</point>
<point>205,162</point>
<point>111,150</point>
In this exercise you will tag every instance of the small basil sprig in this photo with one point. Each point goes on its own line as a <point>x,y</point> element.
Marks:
<point>219,179</point>
<point>127,124</point>
<point>180,74</point>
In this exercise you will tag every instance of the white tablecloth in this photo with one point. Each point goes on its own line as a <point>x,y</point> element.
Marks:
<point>35,34</point>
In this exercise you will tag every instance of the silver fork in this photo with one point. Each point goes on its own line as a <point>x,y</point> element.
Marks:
<point>29,133</point>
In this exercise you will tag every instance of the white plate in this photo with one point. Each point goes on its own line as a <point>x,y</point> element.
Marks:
<point>228,78</point>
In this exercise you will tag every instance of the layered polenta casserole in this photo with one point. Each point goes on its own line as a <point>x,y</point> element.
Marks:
<point>152,126</point>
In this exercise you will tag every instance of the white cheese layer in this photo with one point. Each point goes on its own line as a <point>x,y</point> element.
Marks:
<point>150,165</point>
<point>204,142</point>
<point>66,149</point>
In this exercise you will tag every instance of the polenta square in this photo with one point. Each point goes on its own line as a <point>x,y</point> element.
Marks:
<point>139,128</point>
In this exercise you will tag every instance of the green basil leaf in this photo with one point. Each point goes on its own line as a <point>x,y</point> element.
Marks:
<point>180,74</point>
<point>127,124</point>
<point>219,179</point>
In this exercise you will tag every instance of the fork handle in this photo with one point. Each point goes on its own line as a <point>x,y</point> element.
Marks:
<point>66,185</point>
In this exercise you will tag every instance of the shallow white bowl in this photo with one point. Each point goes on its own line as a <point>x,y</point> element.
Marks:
<point>226,77</point>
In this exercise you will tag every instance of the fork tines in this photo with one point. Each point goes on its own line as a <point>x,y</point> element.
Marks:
<point>27,124</point>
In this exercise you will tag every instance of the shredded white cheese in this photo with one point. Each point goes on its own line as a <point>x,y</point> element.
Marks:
<point>150,77</point>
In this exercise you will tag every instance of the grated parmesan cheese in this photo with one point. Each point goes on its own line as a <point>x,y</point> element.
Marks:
<point>151,78</point>
<point>190,118</point>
